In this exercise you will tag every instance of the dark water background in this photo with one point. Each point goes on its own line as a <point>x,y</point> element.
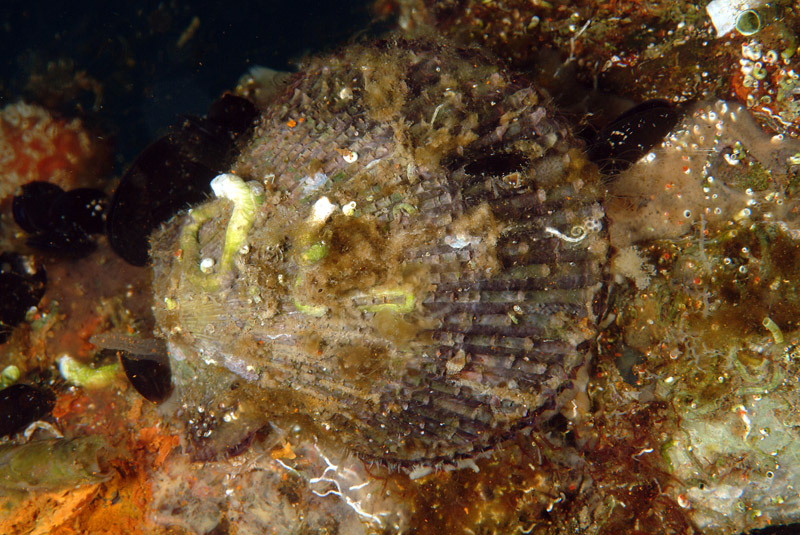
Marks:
<point>147,80</point>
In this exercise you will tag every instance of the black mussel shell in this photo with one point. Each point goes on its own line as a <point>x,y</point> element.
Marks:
<point>22,404</point>
<point>174,173</point>
<point>68,240</point>
<point>496,164</point>
<point>60,221</point>
<point>631,135</point>
<point>209,140</point>
<point>31,207</point>
<point>160,182</point>
<point>144,360</point>
<point>787,529</point>
<point>22,285</point>
<point>150,375</point>
<point>83,207</point>
<point>234,115</point>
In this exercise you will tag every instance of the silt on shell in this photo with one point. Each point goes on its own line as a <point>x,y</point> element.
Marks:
<point>406,262</point>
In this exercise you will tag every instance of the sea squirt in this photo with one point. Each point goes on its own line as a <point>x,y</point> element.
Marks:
<point>404,259</point>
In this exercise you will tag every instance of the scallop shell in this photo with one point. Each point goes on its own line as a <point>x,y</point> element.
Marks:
<point>419,280</point>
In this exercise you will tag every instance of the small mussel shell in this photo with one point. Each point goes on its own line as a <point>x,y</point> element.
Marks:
<point>83,208</point>
<point>144,361</point>
<point>159,182</point>
<point>419,280</point>
<point>31,206</point>
<point>631,135</point>
<point>149,374</point>
<point>22,404</point>
<point>172,173</point>
<point>60,221</point>
<point>22,285</point>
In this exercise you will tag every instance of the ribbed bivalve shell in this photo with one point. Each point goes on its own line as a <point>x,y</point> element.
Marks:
<point>417,283</point>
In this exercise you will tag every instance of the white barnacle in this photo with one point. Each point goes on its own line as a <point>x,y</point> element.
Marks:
<point>771,56</point>
<point>321,211</point>
<point>420,471</point>
<point>349,209</point>
<point>346,93</point>
<point>349,156</point>
<point>752,50</point>
<point>730,159</point>
<point>207,265</point>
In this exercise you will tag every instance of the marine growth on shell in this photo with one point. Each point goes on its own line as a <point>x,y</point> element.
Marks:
<point>404,258</point>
